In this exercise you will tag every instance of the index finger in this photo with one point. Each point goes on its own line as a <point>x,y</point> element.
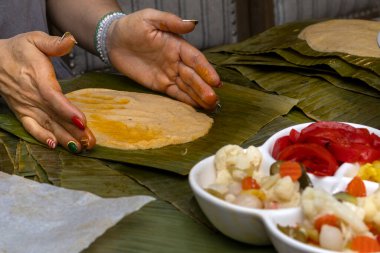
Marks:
<point>59,105</point>
<point>193,58</point>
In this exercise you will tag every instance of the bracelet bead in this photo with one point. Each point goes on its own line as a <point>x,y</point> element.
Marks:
<point>100,38</point>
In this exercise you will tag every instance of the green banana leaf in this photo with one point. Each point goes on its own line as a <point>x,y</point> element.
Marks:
<point>292,61</point>
<point>170,187</point>
<point>319,99</point>
<point>341,67</point>
<point>230,75</point>
<point>292,118</point>
<point>286,36</point>
<point>49,161</point>
<point>6,161</point>
<point>159,227</point>
<point>370,63</point>
<point>344,83</point>
<point>233,76</point>
<point>283,36</point>
<point>244,111</point>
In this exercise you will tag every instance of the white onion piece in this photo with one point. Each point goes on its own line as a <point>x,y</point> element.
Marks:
<point>331,238</point>
<point>248,200</point>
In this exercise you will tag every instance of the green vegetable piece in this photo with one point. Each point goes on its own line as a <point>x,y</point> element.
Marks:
<point>294,232</point>
<point>275,168</point>
<point>304,179</point>
<point>344,196</point>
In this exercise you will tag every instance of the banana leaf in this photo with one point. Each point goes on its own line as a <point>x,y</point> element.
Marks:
<point>10,142</point>
<point>244,111</point>
<point>6,161</point>
<point>269,60</point>
<point>283,36</point>
<point>341,67</point>
<point>170,187</point>
<point>159,227</point>
<point>50,162</point>
<point>370,63</point>
<point>24,164</point>
<point>95,176</point>
<point>292,118</point>
<point>232,76</point>
<point>344,83</point>
<point>286,36</point>
<point>294,62</point>
<point>319,99</point>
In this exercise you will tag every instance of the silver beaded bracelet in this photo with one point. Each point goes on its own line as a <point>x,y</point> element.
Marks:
<point>100,37</point>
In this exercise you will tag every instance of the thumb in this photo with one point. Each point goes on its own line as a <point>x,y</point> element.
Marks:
<point>169,22</point>
<point>53,45</point>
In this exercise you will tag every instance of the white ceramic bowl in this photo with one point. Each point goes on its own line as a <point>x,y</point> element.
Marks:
<point>258,226</point>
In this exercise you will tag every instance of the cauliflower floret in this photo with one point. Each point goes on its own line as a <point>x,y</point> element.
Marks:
<point>281,192</point>
<point>285,189</point>
<point>234,162</point>
<point>371,206</point>
<point>316,202</point>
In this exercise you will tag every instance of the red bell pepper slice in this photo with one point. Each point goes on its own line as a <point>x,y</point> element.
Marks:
<point>354,152</point>
<point>326,132</point>
<point>294,135</point>
<point>279,145</point>
<point>317,159</point>
<point>375,141</point>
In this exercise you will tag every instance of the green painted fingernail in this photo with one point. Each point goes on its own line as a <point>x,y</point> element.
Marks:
<point>72,147</point>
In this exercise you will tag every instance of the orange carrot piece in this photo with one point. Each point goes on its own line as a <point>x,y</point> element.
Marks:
<point>356,187</point>
<point>327,219</point>
<point>292,169</point>
<point>363,244</point>
<point>249,183</point>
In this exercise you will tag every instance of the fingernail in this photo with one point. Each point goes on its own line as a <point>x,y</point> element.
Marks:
<point>217,108</point>
<point>76,121</point>
<point>191,20</point>
<point>72,146</point>
<point>65,35</point>
<point>51,143</point>
<point>220,84</point>
<point>84,143</point>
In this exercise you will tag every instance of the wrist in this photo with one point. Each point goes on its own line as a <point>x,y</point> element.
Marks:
<point>102,32</point>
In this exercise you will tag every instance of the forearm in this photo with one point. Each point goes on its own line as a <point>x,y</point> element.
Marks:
<point>80,17</point>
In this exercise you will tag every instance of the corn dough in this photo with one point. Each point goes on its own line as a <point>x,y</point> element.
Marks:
<point>132,120</point>
<point>350,36</point>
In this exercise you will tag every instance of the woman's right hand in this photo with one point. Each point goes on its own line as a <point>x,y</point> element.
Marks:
<point>29,86</point>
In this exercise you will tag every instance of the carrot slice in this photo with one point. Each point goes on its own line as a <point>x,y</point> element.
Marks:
<point>327,219</point>
<point>292,169</point>
<point>249,183</point>
<point>363,244</point>
<point>356,187</point>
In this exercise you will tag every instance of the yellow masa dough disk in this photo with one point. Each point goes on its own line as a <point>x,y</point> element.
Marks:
<point>350,36</point>
<point>132,120</point>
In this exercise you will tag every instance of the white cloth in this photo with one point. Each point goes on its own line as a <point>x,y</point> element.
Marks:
<point>37,218</point>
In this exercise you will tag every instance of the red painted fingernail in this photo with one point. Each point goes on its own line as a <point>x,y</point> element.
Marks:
<point>51,143</point>
<point>220,84</point>
<point>76,121</point>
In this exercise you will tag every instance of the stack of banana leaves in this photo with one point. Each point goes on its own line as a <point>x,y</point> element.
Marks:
<point>271,81</point>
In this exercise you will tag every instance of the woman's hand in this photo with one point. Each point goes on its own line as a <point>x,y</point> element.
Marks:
<point>146,46</point>
<point>29,86</point>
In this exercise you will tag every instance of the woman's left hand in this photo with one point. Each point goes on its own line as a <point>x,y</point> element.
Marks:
<point>147,47</point>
